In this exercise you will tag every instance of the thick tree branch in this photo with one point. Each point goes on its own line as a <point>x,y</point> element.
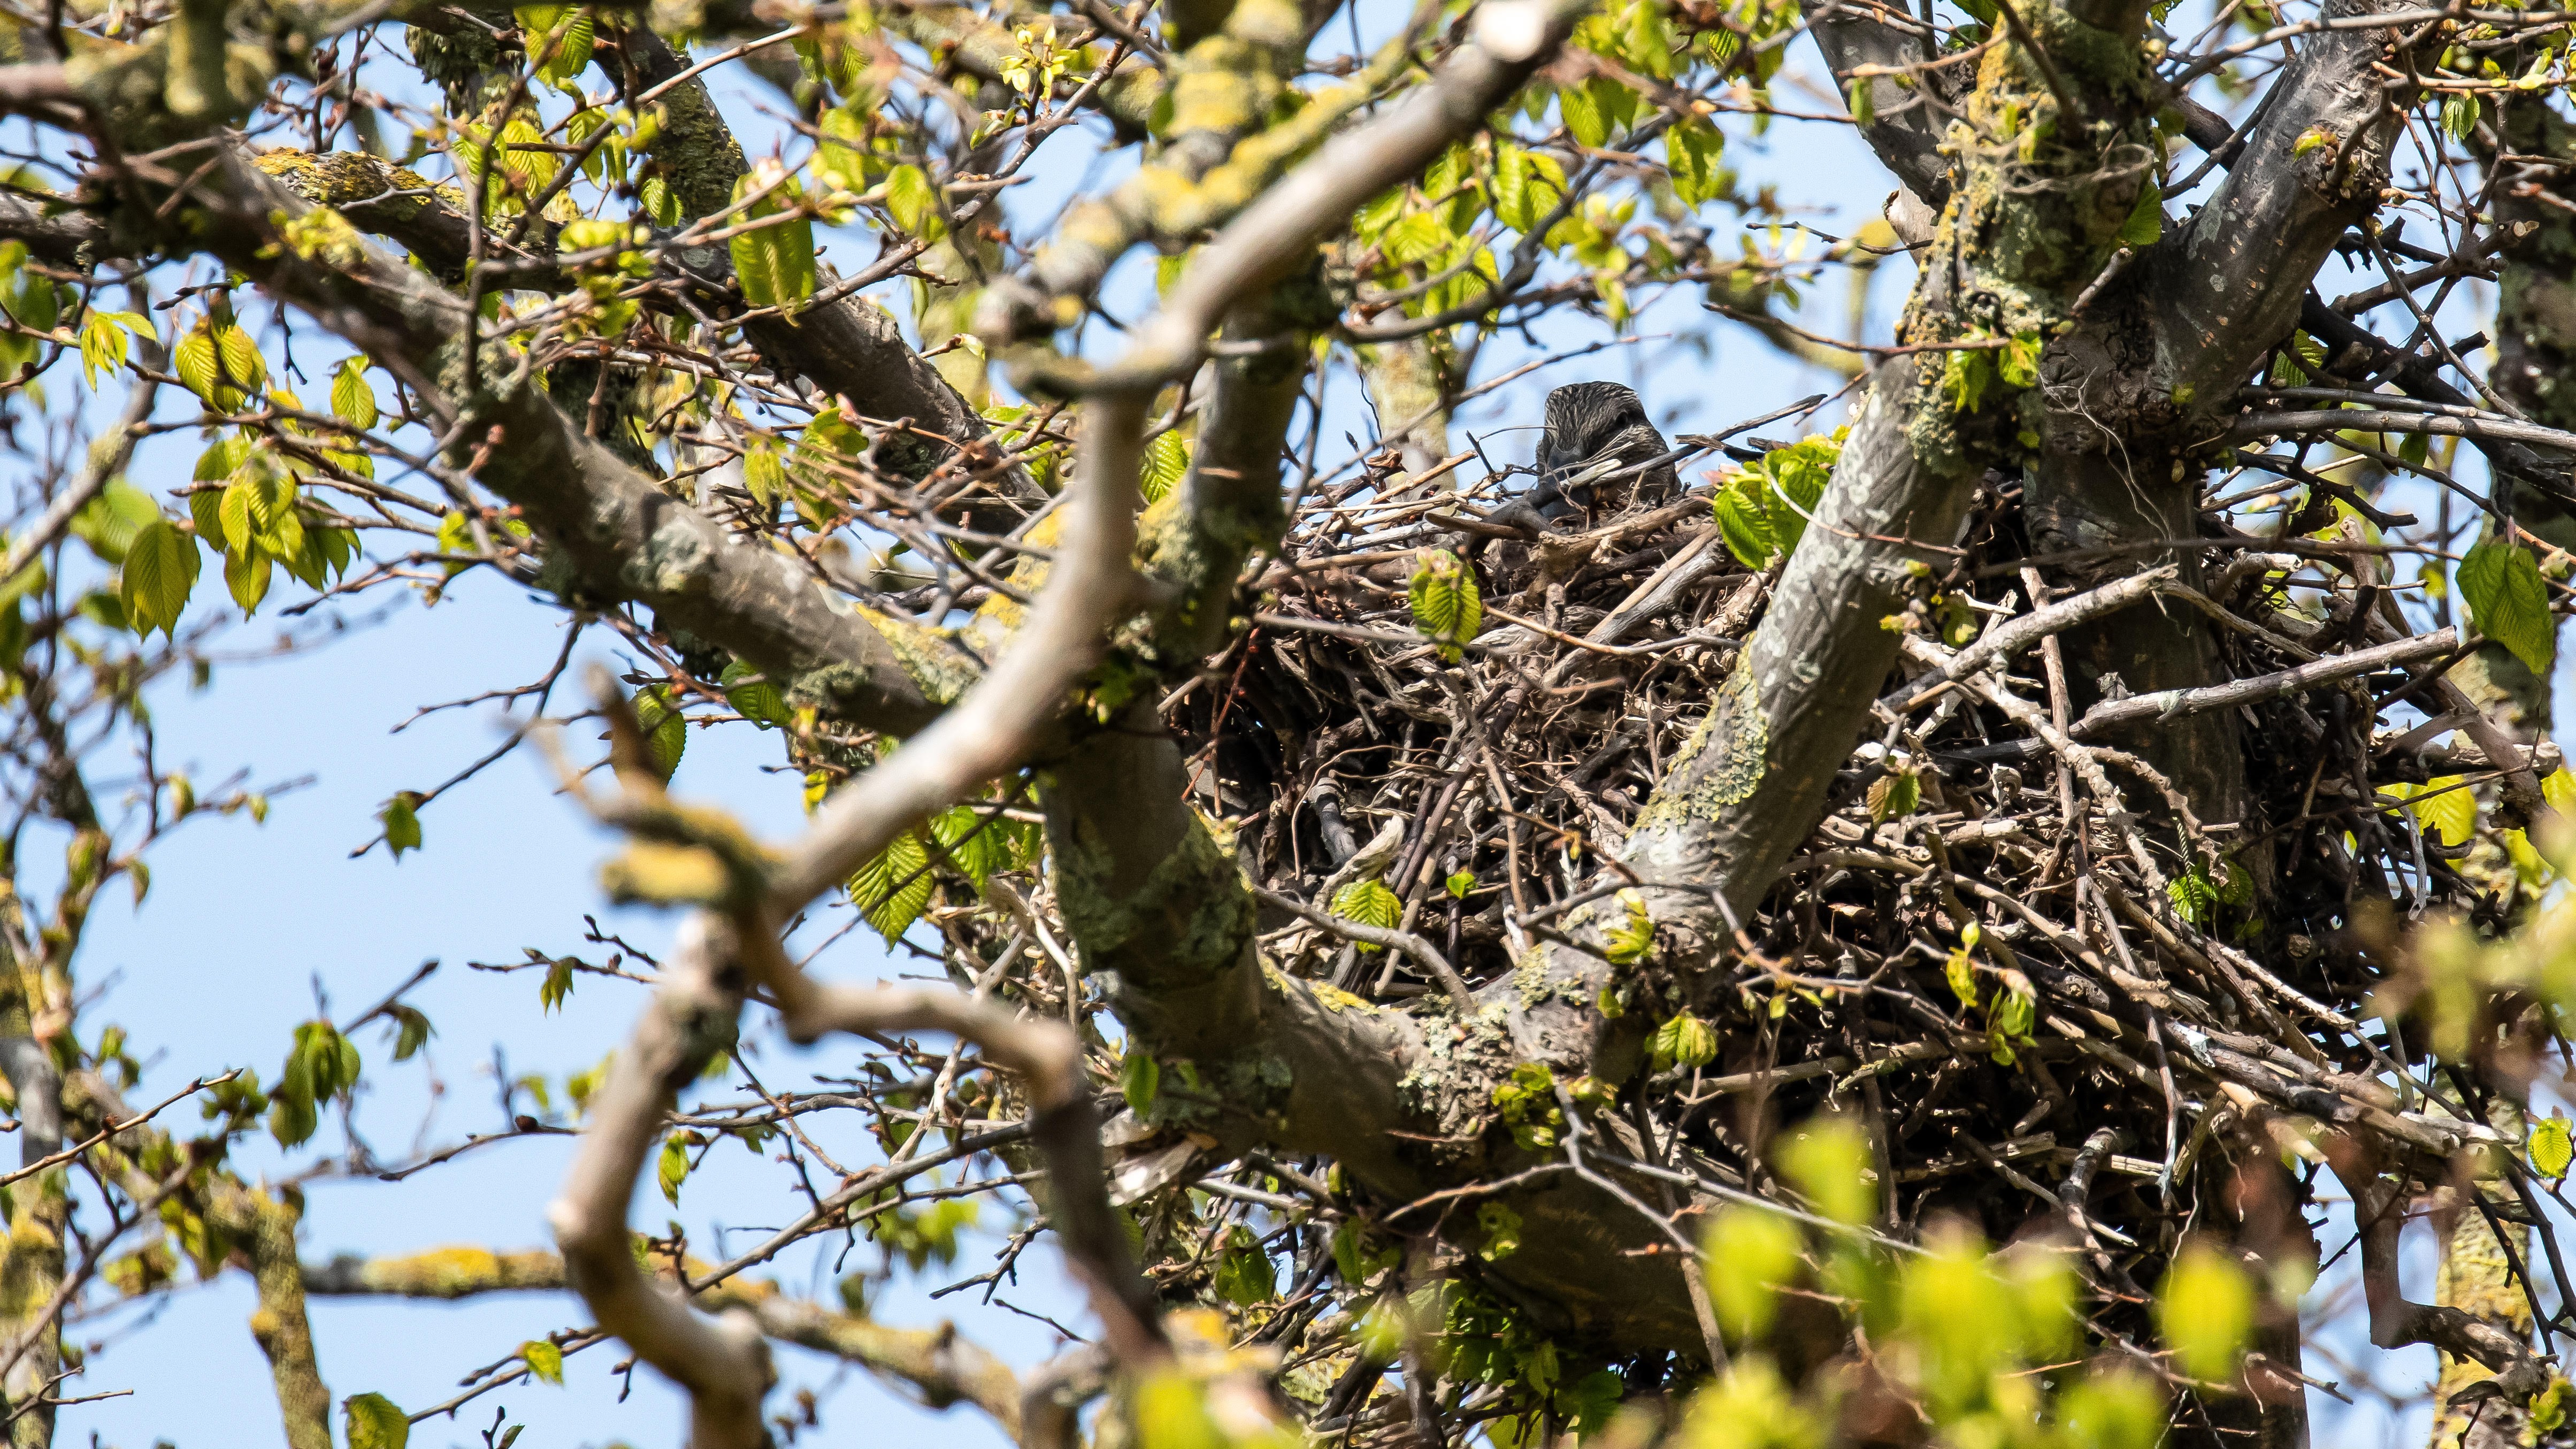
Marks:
<point>1907,123</point>
<point>936,1363</point>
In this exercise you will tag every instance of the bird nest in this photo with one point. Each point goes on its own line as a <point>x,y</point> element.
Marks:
<point>2011,946</point>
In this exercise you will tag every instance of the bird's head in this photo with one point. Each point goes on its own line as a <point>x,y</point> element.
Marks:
<point>1586,423</point>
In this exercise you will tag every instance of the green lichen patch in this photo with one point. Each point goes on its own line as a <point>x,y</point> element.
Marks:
<point>1723,762</point>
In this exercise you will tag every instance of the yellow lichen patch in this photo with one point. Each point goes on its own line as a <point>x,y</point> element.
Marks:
<point>1725,757</point>
<point>1335,999</point>
<point>323,235</point>
<point>928,656</point>
<point>347,178</point>
<point>458,1272</point>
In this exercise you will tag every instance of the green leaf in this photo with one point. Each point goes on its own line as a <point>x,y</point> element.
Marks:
<point>2450,816</point>
<point>2551,1147</point>
<point>247,574</point>
<point>1369,903</point>
<point>544,1359</point>
<point>102,346</point>
<point>1245,1276</point>
<point>1140,1080</point>
<point>557,985</point>
<point>291,1116</point>
<point>1580,107</point>
<point>1447,605</point>
<point>1459,883</point>
<point>663,727</point>
<point>160,569</point>
<point>1685,1041</point>
<point>1894,795</point>
<point>2146,223</point>
<point>194,360</point>
<point>1830,1163</point>
<point>757,700</point>
<point>1857,97</point>
<point>109,522</point>
<point>2205,1310</point>
<point>673,1167</point>
<point>1692,150</point>
<point>401,819</point>
<point>1749,1254</point>
<point>1744,523</point>
<point>764,475</point>
<point>375,1422</point>
<point>2459,115</point>
<point>1166,461</point>
<point>1960,970</point>
<point>914,203</point>
<point>2509,604</point>
<point>239,356</point>
<point>891,889</point>
<point>1633,940</point>
<point>412,1031</point>
<point>2018,363</point>
<point>353,400</point>
<point>329,1060</point>
<point>1500,1228</point>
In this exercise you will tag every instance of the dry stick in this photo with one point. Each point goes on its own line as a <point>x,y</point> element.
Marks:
<point>2165,704</point>
<point>113,1128</point>
<point>1405,941</point>
<point>2381,420</point>
<point>2031,628</point>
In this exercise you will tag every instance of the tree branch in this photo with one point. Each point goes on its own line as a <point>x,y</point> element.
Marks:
<point>942,1367</point>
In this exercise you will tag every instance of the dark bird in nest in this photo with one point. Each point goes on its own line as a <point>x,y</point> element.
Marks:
<point>1593,428</point>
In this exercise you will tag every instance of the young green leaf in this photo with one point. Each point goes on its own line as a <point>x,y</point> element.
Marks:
<point>401,819</point>
<point>2551,1147</point>
<point>891,889</point>
<point>1894,795</point>
<point>375,1422</point>
<point>2146,224</point>
<point>160,570</point>
<point>1685,1041</point>
<point>672,1168</point>
<point>914,203</point>
<point>2205,1309</point>
<point>1166,462</point>
<point>763,474</point>
<point>1692,149</point>
<point>1750,1253</point>
<point>1447,605</point>
<point>543,1359</point>
<point>412,1031</point>
<point>1744,523</point>
<point>1369,903</point>
<point>1140,1080</point>
<point>246,574</point>
<point>2509,604</point>
<point>552,991</point>
<point>753,696</point>
<point>353,399</point>
<point>1633,939</point>
<point>664,728</point>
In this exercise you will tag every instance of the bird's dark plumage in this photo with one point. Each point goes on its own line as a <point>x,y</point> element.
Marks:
<point>1596,422</point>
